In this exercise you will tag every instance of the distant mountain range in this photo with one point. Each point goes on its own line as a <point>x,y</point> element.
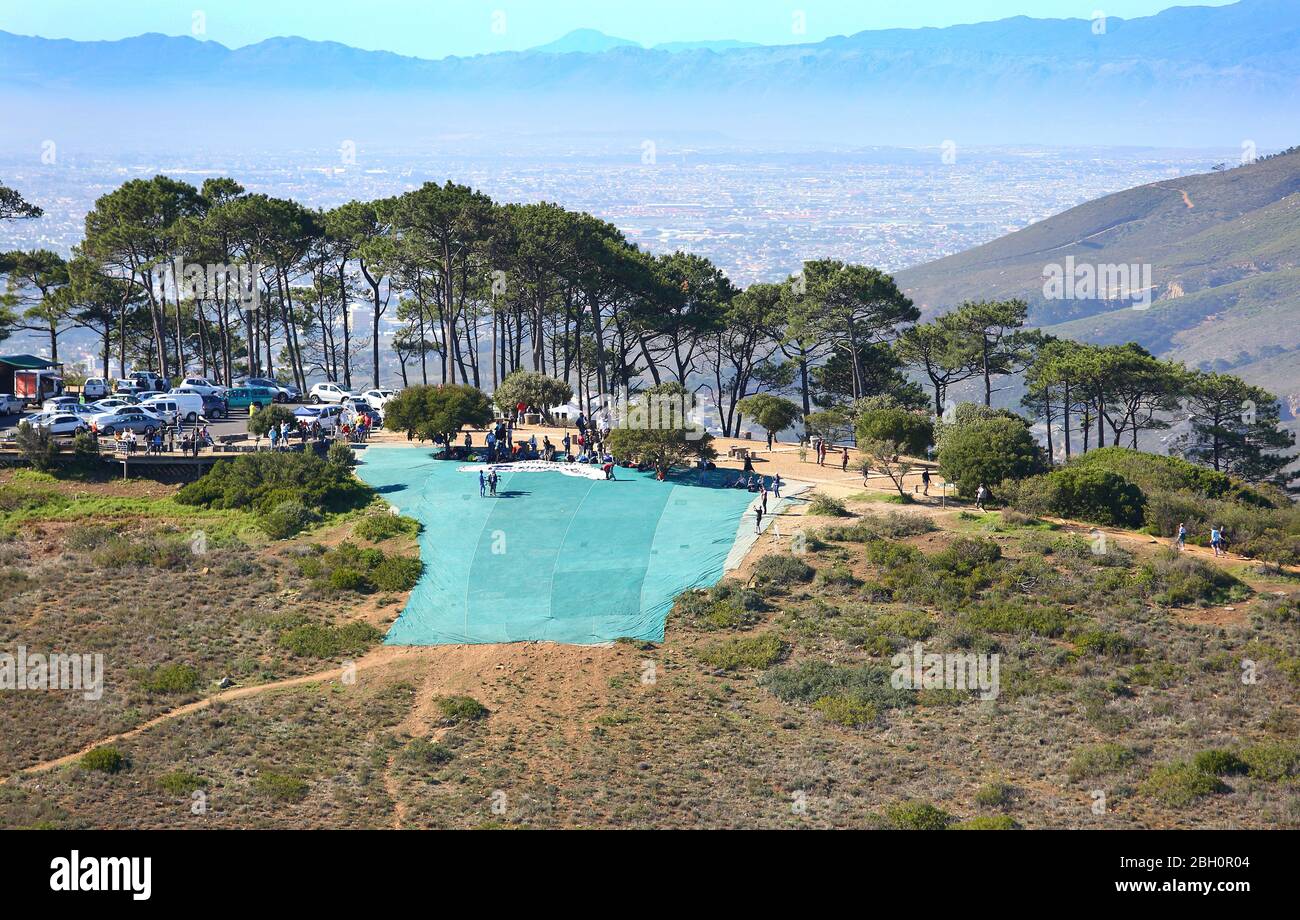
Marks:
<point>593,41</point>
<point>1224,255</point>
<point>1187,76</point>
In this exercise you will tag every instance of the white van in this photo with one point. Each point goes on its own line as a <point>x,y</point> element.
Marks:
<point>96,388</point>
<point>172,406</point>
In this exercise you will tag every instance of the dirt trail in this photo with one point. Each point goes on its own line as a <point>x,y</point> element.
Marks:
<point>384,655</point>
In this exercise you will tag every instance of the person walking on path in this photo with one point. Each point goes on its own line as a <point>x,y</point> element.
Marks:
<point>925,482</point>
<point>762,492</point>
<point>980,495</point>
<point>769,442</point>
<point>1180,541</point>
<point>1216,540</point>
<point>758,519</point>
<point>776,485</point>
<point>844,461</point>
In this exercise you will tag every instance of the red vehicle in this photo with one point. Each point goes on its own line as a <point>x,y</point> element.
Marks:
<point>34,387</point>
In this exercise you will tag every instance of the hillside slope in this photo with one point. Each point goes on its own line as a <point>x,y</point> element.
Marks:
<point>1224,256</point>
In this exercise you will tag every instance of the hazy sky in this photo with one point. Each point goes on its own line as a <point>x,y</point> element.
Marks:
<point>435,28</point>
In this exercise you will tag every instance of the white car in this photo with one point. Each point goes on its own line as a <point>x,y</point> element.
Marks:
<point>111,404</point>
<point>327,393</point>
<point>97,387</point>
<point>329,417</point>
<point>377,398</point>
<point>177,405</point>
<point>199,385</point>
<point>59,404</point>
<point>59,423</point>
<point>10,404</point>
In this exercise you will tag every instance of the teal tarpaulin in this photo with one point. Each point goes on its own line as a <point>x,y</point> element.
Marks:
<point>552,557</point>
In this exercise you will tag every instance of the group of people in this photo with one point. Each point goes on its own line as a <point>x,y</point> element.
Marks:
<point>163,440</point>
<point>822,449</point>
<point>1218,542</point>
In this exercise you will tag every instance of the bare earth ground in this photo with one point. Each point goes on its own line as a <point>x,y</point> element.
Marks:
<point>634,735</point>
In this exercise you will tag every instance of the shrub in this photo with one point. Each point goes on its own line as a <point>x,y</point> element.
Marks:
<point>851,711</point>
<point>461,709</point>
<point>1085,494</point>
<point>1100,760</point>
<point>1272,761</point>
<point>1153,472</point>
<point>281,786</point>
<point>397,573</point>
<point>426,753</point>
<point>341,456</point>
<point>349,579</point>
<point>1180,784</point>
<point>826,506</point>
<point>987,823</point>
<point>1218,762</point>
<point>965,555</point>
<point>812,680</point>
<point>995,794</point>
<point>180,782</point>
<point>287,519</point>
<point>987,451</point>
<point>262,481</point>
<point>105,758</point>
<point>743,652</point>
<point>726,605</point>
<point>260,421</point>
<point>315,640</point>
<point>782,570</point>
<point>376,528</point>
<point>1172,579</point>
<point>37,446</point>
<point>170,678</point>
<point>1105,643</point>
<point>917,816</point>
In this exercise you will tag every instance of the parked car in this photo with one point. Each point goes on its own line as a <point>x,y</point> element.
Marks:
<point>377,398</point>
<point>215,407</point>
<point>176,405</point>
<point>114,402</point>
<point>59,423</point>
<point>133,419</point>
<point>96,388</point>
<point>327,393</point>
<point>250,397</point>
<point>359,405</point>
<point>199,385</point>
<point>59,403</point>
<point>288,391</point>
<point>10,404</point>
<point>150,382</point>
<point>328,416</point>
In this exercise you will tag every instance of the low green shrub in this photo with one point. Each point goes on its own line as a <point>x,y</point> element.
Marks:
<point>282,787</point>
<point>1180,784</point>
<point>1100,760</point>
<point>316,640</point>
<point>169,678</point>
<point>376,528</point>
<point>461,709</point>
<point>987,823</point>
<point>747,652</point>
<point>782,570</point>
<point>827,506</point>
<point>917,816</point>
<point>106,759</point>
<point>851,711</point>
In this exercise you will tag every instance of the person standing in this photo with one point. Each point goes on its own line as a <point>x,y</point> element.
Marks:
<point>925,481</point>
<point>844,461</point>
<point>762,493</point>
<point>758,518</point>
<point>492,483</point>
<point>769,442</point>
<point>776,485</point>
<point>1181,542</point>
<point>980,494</point>
<point>482,484</point>
<point>1216,540</point>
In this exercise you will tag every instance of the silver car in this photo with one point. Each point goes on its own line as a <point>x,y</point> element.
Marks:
<point>132,419</point>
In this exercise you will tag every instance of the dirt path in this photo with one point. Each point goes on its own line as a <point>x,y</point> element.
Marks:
<point>384,655</point>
